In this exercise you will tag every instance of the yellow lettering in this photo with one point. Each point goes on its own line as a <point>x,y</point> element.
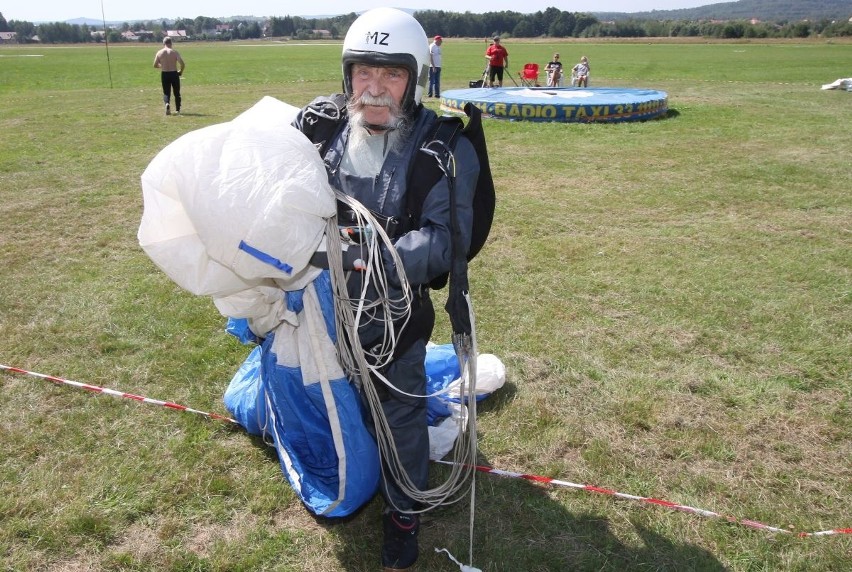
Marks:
<point>528,111</point>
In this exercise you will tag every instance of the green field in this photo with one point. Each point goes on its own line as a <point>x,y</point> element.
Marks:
<point>672,299</point>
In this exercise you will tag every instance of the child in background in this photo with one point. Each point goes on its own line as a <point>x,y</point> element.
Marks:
<point>581,72</point>
<point>554,72</point>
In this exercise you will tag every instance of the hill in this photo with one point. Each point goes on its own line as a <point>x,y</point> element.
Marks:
<point>767,10</point>
<point>82,21</point>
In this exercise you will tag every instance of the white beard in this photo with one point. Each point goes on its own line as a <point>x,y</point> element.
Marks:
<point>365,152</point>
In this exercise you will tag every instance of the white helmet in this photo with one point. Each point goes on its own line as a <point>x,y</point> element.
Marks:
<point>388,37</point>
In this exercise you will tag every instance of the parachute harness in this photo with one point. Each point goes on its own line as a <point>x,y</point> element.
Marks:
<point>393,315</point>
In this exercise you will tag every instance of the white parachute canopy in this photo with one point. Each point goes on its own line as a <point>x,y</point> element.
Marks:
<point>231,206</point>
<point>842,83</point>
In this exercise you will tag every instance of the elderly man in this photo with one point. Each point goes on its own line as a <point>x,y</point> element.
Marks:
<point>370,157</point>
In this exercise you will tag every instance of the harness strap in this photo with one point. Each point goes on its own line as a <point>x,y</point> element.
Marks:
<point>346,217</point>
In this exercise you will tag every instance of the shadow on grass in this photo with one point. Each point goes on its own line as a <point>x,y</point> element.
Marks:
<point>519,526</point>
<point>185,114</point>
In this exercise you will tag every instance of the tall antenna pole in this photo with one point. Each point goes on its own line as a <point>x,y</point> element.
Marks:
<point>106,43</point>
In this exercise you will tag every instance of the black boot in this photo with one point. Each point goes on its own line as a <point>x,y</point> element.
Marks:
<point>399,552</point>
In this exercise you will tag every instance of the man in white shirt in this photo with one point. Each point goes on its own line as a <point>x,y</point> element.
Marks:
<point>435,67</point>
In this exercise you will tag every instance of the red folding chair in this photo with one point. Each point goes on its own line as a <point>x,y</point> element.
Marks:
<point>529,75</point>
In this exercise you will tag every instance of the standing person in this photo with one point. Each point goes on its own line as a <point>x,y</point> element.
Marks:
<point>171,66</point>
<point>498,60</point>
<point>554,72</point>
<point>435,67</point>
<point>368,157</point>
<point>581,72</point>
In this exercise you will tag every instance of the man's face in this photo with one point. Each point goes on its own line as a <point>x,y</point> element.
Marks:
<point>381,87</point>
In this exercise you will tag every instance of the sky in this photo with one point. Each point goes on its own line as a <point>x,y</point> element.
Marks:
<point>123,10</point>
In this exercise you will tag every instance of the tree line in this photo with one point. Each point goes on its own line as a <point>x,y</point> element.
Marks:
<point>552,22</point>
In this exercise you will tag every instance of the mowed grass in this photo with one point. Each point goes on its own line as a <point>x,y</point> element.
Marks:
<point>671,298</point>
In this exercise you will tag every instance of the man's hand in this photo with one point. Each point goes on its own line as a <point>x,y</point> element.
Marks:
<point>354,258</point>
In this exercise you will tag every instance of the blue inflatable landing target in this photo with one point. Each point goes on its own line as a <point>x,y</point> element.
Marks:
<point>562,104</point>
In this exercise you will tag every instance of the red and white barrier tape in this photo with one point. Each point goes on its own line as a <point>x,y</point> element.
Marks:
<point>649,500</point>
<point>96,389</point>
<point>489,470</point>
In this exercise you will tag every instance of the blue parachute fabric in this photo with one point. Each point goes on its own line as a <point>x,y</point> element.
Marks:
<point>317,426</point>
<point>244,395</point>
<point>442,368</point>
<point>299,423</point>
<point>239,328</point>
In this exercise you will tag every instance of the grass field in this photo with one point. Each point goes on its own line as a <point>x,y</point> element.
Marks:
<point>672,299</point>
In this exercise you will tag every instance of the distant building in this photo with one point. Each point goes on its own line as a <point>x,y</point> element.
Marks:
<point>8,37</point>
<point>179,35</point>
<point>218,30</point>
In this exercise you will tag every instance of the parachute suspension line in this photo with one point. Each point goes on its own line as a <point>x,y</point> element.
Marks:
<point>454,488</point>
<point>468,344</point>
<point>449,169</point>
<point>392,314</point>
<point>464,342</point>
<point>331,112</point>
